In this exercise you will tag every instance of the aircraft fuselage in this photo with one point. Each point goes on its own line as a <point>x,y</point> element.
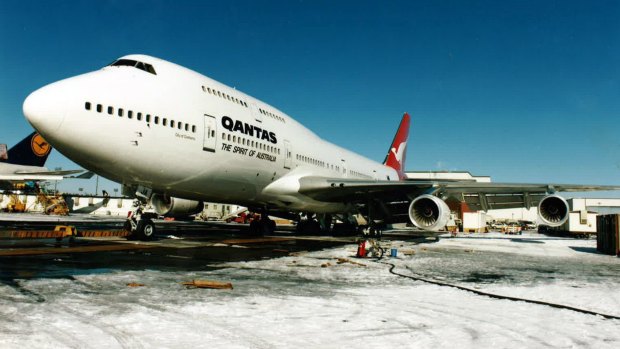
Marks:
<point>189,136</point>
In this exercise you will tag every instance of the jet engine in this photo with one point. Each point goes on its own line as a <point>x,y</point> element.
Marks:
<point>553,210</point>
<point>175,207</point>
<point>429,212</point>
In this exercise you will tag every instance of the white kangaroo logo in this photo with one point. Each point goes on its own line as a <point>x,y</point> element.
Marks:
<point>400,152</point>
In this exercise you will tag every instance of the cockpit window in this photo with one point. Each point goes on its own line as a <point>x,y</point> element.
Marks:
<point>131,63</point>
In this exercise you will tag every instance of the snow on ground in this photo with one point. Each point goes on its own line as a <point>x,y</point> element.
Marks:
<point>311,301</point>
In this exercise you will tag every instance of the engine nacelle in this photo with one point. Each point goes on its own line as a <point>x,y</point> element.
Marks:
<point>174,207</point>
<point>429,212</point>
<point>553,210</point>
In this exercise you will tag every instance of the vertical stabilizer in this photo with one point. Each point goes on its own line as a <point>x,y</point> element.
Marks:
<point>31,151</point>
<point>395,157</point>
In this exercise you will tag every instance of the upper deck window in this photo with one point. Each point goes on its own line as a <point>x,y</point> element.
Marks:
<point>131,63</point>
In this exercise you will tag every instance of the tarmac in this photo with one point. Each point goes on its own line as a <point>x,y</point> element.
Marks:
<point>290,290</point>
<point>178,245</point>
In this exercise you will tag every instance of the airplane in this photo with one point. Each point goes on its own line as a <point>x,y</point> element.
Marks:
<point>175,138</point>
<point>25,162</point>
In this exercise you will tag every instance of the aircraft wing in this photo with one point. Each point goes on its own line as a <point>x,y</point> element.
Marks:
<point>29,177</point>
<point>49,173</point>
<point>23,176</point>
<point>477,195</point>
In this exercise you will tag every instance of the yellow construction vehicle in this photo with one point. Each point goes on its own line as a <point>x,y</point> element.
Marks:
<point>15,204</point>
<point>52,204</point>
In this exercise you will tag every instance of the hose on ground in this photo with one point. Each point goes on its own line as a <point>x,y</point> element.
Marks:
<point>497,296</point>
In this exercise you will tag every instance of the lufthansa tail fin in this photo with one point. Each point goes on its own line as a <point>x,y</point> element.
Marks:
<point>31,151</point>
<point>395,157</point>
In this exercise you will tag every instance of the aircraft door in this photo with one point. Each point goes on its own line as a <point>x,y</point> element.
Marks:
<point>288,155</point>
<point>344,168</point>
<point>210,134</point>
<point>255,112</point>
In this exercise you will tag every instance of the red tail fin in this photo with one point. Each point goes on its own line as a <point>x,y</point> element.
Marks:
<point>395,157</point>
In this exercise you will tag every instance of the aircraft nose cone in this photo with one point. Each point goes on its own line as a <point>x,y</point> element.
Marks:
<point>44,111</point>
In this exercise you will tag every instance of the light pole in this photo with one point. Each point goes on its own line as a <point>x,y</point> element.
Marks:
<point>56,182</point>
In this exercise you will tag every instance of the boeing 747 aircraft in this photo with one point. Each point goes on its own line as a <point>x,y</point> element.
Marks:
<point>175,138</point>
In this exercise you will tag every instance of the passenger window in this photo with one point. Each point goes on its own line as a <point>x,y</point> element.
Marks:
<point>130,114</point>
<point>111,110</point>
<point>164,121</point>
<point>172,123</point>
<point>148,117</point>
<point>87,105</point>
<point>156,120</point>
<point>209,90</point>
<point>99,108</point>
<point>139,117</point>
<point>120,111</point>
<point>186,127</point>
<point>180,126</point>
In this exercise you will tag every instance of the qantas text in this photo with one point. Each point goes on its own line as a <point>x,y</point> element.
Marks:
<point>247,129</point>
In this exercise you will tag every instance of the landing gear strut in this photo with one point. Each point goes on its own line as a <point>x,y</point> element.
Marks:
<point>372,231</point>
<point>140,224</point>
<point>310,225</point>
<point>262,226</point>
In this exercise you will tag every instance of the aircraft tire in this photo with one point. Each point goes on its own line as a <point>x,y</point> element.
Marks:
<point>313,227</point>
<point>269,226</point>
<point>129,227</point>
<point>300,227</point>
<point>146,229</point>
<point>255,228</point>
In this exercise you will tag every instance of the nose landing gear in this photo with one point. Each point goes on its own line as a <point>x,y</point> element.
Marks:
<point>140,224</point>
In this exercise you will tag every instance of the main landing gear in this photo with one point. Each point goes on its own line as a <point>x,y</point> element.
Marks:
<point>309,225</point>
<point>140,224</point>
<point>262,225</point>
<point>372,231</point>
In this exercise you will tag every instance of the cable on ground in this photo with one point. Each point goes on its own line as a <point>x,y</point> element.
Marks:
<point>497,296</point>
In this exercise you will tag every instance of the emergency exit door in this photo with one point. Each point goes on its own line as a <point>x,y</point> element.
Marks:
<point>210,134</point>
<point>288,154</point>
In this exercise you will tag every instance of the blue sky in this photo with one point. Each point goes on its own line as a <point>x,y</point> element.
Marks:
<point>523,91</point>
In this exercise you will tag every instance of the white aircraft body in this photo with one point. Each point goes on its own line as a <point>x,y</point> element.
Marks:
<point>176,138</point>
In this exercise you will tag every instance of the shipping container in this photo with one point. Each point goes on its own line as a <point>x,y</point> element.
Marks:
<point>474,222</point>
<point>608,234</point>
